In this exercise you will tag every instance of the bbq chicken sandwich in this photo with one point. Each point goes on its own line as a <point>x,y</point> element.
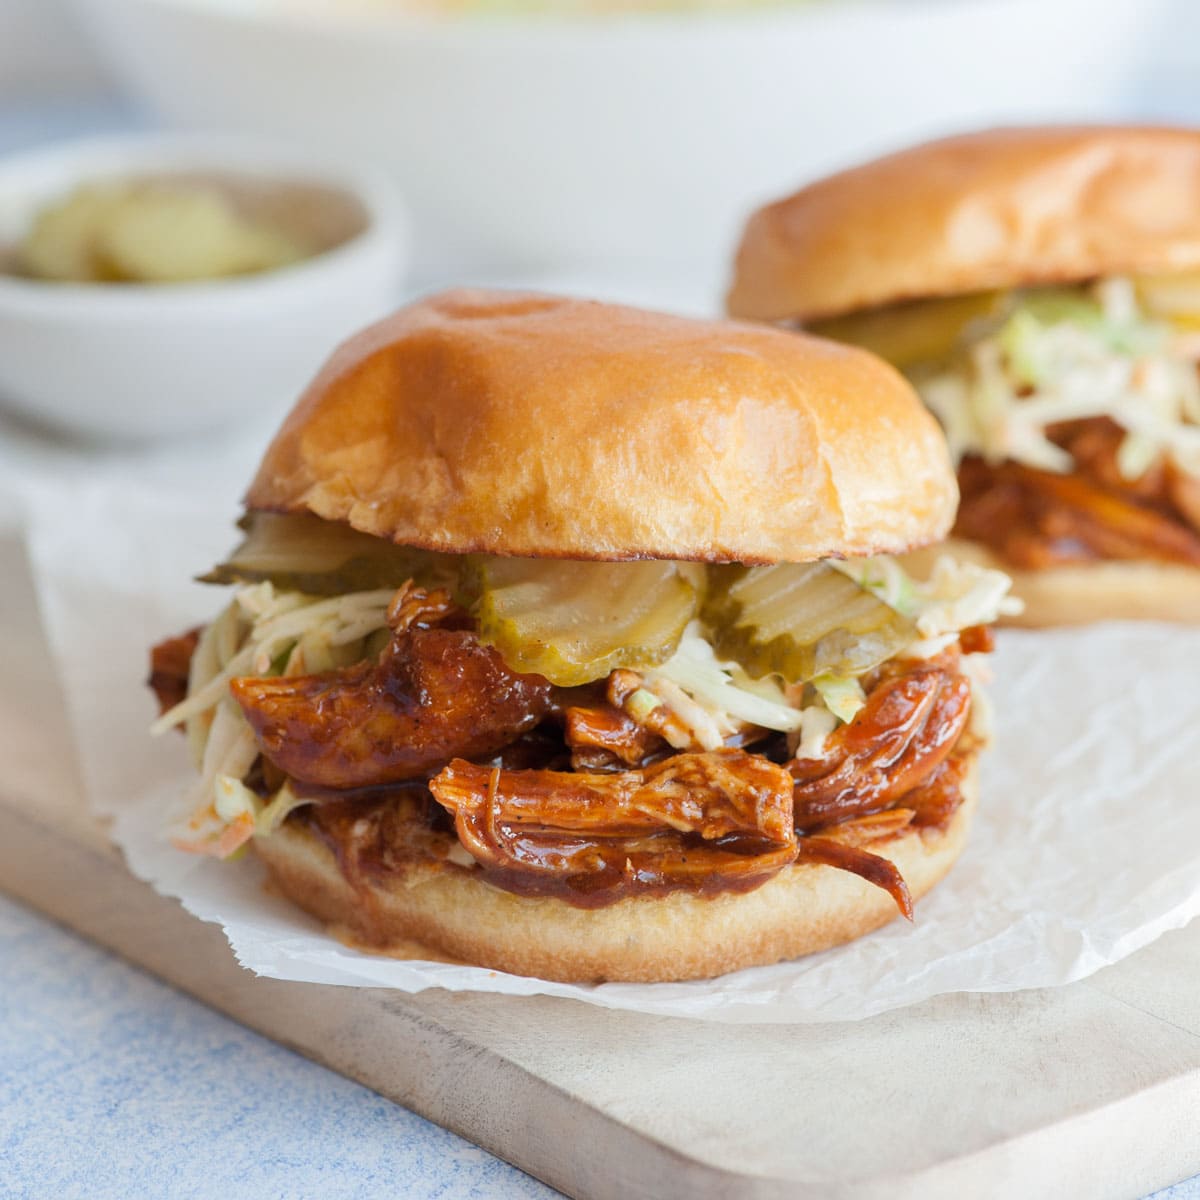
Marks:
<point>1041,288</point>
<point>561,642</point>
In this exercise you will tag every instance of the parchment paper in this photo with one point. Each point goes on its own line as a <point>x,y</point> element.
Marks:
<point>1086,847</point>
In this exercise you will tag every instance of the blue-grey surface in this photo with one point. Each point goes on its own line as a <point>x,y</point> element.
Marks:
<point>114,1085</point>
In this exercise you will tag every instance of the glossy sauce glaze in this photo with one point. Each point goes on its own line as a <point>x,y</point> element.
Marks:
<point>433,694</point>
<point>592,840</point>
<point>1035,519</point>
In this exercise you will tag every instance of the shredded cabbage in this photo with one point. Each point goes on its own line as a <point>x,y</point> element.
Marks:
<point>956,596</point>
<point>715,699</point>
<point>816,724</point>
<point>1066,355</point>
<point>721,688</point>
<point>843,697</point>
<point>261,632</point>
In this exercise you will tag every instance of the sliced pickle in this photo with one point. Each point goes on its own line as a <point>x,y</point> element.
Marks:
<point>801,620</point>
<point>576,621</point>
<point>916,332</point>
<point>1175,298</point>
<point>302,553</point>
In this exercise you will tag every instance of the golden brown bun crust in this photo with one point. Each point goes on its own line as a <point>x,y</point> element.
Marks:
<point>1003,208</point>
<point>801,910</point>
<point>524,424</point>
<point>1082,593</point>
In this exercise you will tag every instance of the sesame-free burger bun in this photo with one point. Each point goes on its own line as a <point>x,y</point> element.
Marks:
<point>446,911</point>
<point>999,209</point>
<point>514,423</point>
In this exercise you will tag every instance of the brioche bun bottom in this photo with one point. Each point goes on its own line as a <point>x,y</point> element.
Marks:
<point>1080,593</point>
<point>450,913</point>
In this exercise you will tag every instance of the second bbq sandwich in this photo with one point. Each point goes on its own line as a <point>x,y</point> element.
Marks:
<point>560,643</point>
<point>1041,288</point>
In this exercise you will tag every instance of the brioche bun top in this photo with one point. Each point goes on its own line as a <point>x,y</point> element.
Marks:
<point>998,209</point>
<point>524,424</point>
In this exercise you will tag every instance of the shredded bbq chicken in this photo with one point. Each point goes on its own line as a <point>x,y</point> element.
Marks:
<point>1184,491</point>
<point>435,694</point>
<point>170,663</point>
<point>1036,518</point>
<point>604,738</point>
<point>906,730</point>
<point>874,868</point>
<point>714,795</point>
<point>709,821</point>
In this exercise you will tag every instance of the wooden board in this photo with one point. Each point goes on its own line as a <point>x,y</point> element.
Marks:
<point>1089,1090</point>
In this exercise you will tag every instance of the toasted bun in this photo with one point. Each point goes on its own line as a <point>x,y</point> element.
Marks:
<point>1000,209</point>
<point>450,913</point>
<point>1082,593</point>
<point>533,425</point>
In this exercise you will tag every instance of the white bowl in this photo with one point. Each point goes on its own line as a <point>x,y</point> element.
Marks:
<point>533,142</point>
<point>140,361</point>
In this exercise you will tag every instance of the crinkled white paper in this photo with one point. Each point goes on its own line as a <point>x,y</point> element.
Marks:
<point>1086,847</point>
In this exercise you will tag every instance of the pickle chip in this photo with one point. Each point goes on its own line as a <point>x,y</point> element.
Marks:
<point>1175,298</point>
<point>301,553</point>
<point>915,332</point>
<point>576,621</point>
<point>801,621</point>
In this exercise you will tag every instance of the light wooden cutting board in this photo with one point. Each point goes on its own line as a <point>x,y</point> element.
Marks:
<point>1090,1091</point>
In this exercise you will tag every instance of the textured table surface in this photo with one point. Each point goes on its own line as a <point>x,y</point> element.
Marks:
<point>115,1085</point>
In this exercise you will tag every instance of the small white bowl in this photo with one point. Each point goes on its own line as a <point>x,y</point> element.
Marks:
<point>143,361</point>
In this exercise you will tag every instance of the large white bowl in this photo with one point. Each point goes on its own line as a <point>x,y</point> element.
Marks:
<point>529,142</point>
<point>138,361</point>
